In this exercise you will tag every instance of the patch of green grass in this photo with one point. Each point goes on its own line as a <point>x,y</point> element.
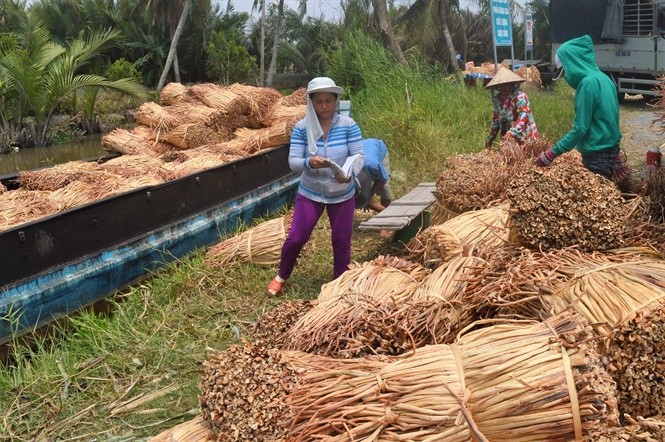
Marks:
<point>134,372</point>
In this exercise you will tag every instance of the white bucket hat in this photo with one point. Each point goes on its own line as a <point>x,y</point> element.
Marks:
<point>323,84</point>
<point>312,125</point>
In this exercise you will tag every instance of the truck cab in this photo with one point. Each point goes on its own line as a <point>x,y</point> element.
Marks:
<point>628,36</point>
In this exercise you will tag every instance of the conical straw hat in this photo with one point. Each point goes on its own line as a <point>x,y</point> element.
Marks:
<point>504,75</point>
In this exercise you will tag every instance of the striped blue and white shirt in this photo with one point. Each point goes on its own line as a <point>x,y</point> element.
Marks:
<point>344,139</point>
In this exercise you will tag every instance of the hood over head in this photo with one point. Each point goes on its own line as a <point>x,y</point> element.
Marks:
<point>578,59</point>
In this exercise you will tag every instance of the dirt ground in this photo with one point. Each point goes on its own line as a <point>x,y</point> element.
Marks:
<point>640,131</point>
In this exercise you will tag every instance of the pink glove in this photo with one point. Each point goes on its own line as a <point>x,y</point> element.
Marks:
<point>545,158</point>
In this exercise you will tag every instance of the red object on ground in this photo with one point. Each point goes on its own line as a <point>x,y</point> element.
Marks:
<point>654,156</point>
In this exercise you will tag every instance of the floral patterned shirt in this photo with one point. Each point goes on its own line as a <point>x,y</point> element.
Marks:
<point>513,114</point>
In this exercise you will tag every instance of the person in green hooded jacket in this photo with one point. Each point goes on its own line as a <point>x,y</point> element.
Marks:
<point>596,132</point>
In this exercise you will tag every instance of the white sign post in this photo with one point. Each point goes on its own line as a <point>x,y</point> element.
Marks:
<point>528,41</point>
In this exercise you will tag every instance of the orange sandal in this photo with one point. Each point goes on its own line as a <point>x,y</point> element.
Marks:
<point>275,287</point>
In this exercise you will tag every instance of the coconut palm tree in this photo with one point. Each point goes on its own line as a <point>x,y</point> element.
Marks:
<point>40,75</point>
<point>431,19</point>
<point>381,14</point>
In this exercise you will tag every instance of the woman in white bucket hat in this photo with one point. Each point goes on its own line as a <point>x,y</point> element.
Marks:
<point>512,115</point>
<point>322,137</point>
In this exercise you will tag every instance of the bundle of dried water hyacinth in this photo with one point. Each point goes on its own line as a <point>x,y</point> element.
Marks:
<point>20,206</point>
<point>242,392</point>
<point>257,139</point>
<point>128,143</point>
<point>3,188</point>
<point>513,382</point>
<point>363,320</point>
<point>566,205</point>
<point>271,326</point>
<point>260,100</point>
<point>442,242</point>
<point>475,181</point>
<point>625,303</point>
<point>519,283</point>
<point>195,430</point>
<point>259,245</point>
<point>384,276</point>
<point>177,93</point>
<point>157,118</point>
<point>56,177</point>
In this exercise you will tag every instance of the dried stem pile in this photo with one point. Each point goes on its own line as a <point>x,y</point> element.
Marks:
<point>195,430</point>
<point>384,276</point>
<point>242,390</point>
<point>259,245</point>
<point>566,205</point>
<point>625,304</point>
<point>479,228</point>
<point>635,430</point>
<point>56,177</point>
<point>510,382</point>
<point>388,321</point>
<point>271,327</point>
<point>476,181</point>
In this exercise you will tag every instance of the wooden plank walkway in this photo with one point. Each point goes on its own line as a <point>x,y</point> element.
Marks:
<point>403,210</point>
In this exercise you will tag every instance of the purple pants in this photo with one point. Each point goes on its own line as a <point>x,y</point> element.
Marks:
<point>305,216</point>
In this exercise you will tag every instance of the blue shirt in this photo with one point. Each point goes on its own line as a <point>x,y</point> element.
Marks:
<point>375,151</point>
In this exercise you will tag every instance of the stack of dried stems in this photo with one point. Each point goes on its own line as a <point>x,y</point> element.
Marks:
<point>285,113</point>
<point>260,100</point>
<point>479,228</point>
<point>271,326</point>
<point>177,93</point>
<point>531,75</point>
<point>296,98</point>
<point>565,205</point>
<point>19,206</point>
<point>56,177</point>
<point>195,430</point>
<point>259,245</point>
<point>241,393</point>
<point>357,313</point>
<point>634,430</point>
<point>384,276</point>
<point>127,143</point>
<point>476,181</point>
<point>156,117</point>
<point>513,382</point>
<point>72,195</point>
<point>519,283</point>
<point>3,188</point>
<point>219,97</point>
<point>624,302</point>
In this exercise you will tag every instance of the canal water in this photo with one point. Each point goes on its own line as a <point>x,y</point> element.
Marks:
<point>30,158</point>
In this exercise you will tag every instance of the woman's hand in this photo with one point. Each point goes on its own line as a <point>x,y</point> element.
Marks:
<point>318,162</point>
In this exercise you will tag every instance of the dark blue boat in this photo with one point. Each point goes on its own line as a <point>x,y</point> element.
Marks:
<point>59,264</point>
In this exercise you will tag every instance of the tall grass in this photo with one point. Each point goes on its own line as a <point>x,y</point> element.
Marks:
<point>134,372</point>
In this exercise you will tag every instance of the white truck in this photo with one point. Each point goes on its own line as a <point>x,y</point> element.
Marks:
<point>628,36</point>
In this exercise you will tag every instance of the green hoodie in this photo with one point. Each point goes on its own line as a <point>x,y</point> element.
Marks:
<point>596,123</point>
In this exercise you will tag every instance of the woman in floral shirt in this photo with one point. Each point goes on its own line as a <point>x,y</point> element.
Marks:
<point>512,111</point>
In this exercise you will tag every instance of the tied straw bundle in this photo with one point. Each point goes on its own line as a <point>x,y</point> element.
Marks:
<point>384,276</point>
<point>128,143</point>
<point>257,139</point>
<point>157,118</point>
<point>56,177</point>
<point>20,206</point>
<point>391,321</point>
<point>260,100</point>
<point>519,283</point>
<point>259,245</point>
<point>191,135</point>
<point>485,228</point>
<point>73,194</point>
<point>177,93</point>
<point>566,205</point>
<point>195,430</point>
<point>513,382</point>
<point>220,98</point>
<point>625,304</point>
<point>476,181</point>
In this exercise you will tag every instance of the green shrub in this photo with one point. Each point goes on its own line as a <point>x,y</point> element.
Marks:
<point>122,68</point>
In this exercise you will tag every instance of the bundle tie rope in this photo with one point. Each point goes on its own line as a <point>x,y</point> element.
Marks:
<point>464,411</point>
<point>572,393</point>
<point>249,245</point>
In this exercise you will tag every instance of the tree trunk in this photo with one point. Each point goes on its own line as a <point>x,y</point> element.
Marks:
<point>381,13</point>
<point>275,45</point>
<point>176,67</point>
<point>443,14</point>
<point>262,49</point>
<point>174,44</point>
